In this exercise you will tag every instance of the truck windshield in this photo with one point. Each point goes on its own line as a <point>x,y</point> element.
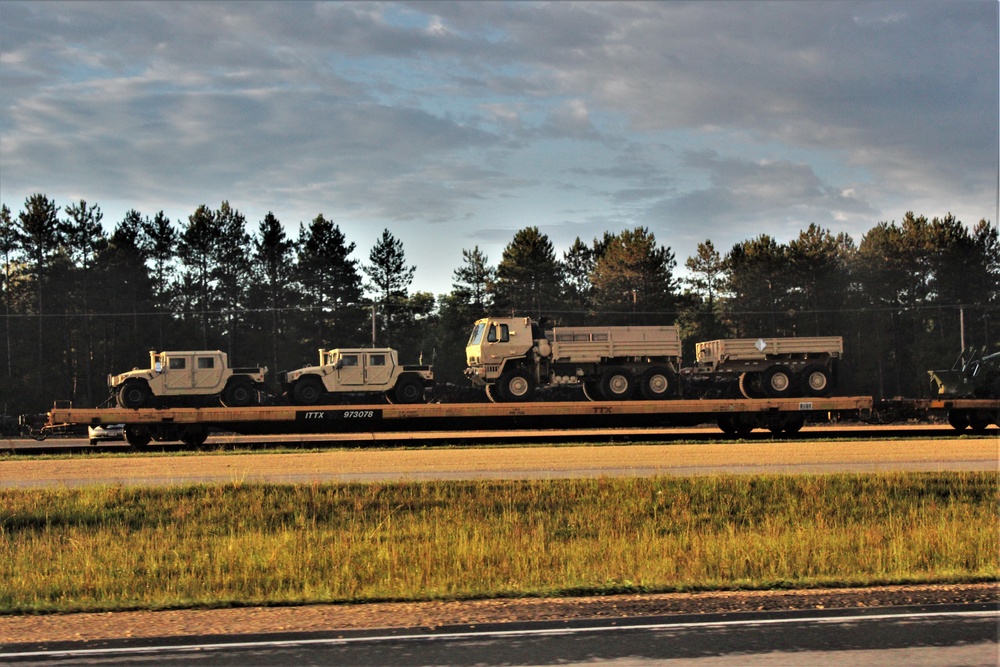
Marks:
<point>477,334</point>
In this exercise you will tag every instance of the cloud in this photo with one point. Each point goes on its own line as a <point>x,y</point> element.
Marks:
<point>692,118</point>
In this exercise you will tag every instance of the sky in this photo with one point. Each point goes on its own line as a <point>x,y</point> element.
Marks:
<point>456,124</point>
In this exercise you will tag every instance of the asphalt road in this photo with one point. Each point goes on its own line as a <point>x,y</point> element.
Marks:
<point>922,637</point>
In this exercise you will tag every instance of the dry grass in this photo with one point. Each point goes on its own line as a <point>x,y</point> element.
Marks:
<point>127,548</point>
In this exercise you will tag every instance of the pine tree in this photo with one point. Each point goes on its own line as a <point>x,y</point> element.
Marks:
<point>390,280</point>
<point>529,277</point>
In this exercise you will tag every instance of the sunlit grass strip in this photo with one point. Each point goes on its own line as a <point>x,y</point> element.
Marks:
<point>119,548</point>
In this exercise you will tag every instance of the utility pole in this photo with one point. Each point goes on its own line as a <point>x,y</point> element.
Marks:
<point>961,325</point>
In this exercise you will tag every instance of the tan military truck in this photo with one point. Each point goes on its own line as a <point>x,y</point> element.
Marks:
<point>511,356</point>
<point>363,370</point>
<point>773,367</point>
<point>198,378</point>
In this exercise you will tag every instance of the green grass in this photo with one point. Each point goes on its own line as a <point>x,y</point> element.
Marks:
<point>108,548</point>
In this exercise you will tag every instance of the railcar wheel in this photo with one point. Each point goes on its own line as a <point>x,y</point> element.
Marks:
<point>134,395</point>
<point>516,386</point>
<point>307,391</point>
<point>616,384</point>
<point>194,436</point>
<point>778,382</point>
<point>816,381</point>
<point>736,425</point>
<point>659,383</point>
<point>959,419</point>
<point>979,422</point>
<point>137,436</point>
<point>409,390</point>
<point>239,394</point>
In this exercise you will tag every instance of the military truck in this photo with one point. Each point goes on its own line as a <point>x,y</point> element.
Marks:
<point>772,367</point>
<point>511,356</point>
<point>188,378</point>
<point>364,370</point>
<point>974,375</point>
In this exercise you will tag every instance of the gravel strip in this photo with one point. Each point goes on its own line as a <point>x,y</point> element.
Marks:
<point>87,627</point>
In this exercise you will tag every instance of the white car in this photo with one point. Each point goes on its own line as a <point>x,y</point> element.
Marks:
<point>109,432</point>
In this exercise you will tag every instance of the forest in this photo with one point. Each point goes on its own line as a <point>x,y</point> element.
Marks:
<point>83,298</point>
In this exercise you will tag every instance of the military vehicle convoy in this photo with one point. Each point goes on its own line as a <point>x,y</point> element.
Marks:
<point>510,357</point>
<point>188,377</point>
<point>357,370</point>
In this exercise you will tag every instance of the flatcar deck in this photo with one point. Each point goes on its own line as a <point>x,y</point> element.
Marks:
<point>378,417</point>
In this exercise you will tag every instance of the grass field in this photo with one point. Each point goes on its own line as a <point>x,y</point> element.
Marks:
<point>111,548</point>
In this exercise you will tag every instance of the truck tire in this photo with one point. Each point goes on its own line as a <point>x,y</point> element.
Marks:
<point>658,383</point>
<point>409,390</point>
<point>816,380</point>
<point>515,386</point>
<point>134,395</point>
<point>307,391</point>
<point>778,382</point>
<point>750,386</point>
<point>239,393</point>
<point>592,390</point>
<point>617,384</point>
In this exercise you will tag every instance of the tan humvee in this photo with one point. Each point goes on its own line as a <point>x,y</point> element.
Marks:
<point>188,378</point>
<point>360,370</point>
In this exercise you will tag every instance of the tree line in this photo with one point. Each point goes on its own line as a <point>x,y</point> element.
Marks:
<point>81,302</point>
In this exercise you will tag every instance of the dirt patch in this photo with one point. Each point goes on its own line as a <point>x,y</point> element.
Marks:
<point>88,627</point>
<point>507,463</point>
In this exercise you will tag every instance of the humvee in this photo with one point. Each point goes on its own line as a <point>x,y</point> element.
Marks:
<point>188,378</point>
<point>360,370</point>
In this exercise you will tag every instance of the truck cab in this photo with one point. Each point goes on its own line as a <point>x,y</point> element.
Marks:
<point>494,340</point>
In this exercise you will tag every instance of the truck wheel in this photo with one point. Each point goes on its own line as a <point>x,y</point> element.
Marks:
<point>749,385</point>
<point>307,391</point>
<point>137,436</point>
<point>616,384</point>
<point>658,383</point>
<point>239,394</point>
<point>592,390</point>
<point>778,382</point>
<point>516,386</point>
<point>409,390</point>
<point>491,393</point>
<point>134,395</point>
<point>816,381</point>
